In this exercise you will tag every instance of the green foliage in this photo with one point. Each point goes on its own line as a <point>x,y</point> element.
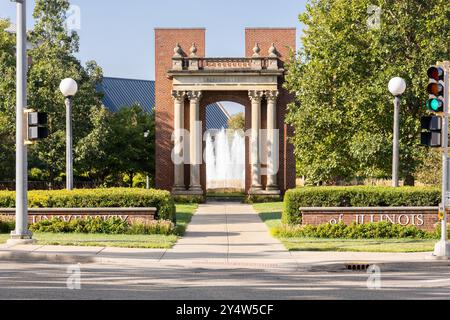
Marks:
<point>250,199</point>
<point>343,114</point>
<point>7,101</point>
<point>237,122</point>
<point>6,225</point>
<point>355,197</point>
<point>53,57</point>
<point>105,226</point>
<point>98,198</point>
<point>376,230</point>
<point>430,171</point>
<point>189,199</point>
<point>119,144</point>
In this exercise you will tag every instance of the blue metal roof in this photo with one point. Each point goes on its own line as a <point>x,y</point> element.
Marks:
<point>216,117</point>
<point>120,93</point>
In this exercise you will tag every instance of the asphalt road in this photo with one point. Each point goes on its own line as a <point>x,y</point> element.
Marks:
<point>192,282</point>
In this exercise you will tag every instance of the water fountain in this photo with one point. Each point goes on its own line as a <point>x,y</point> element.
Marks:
<point>225,159</point>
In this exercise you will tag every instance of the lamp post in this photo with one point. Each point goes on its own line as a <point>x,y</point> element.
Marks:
<point>397,87</point>
<point>147,183</point>
<point>69,88</point>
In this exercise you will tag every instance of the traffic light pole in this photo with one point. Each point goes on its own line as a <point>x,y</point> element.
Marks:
<point>442,249</point>
<point>21,234</point>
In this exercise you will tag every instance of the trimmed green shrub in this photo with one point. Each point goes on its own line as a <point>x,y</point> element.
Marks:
<point>105,226</point>
<point>6,226</point>
<point>376,230</point>
<point>356,197</point>
<point>438,231</point>
<point>98,198</point>
<point>251,199</point>
<point>187,199</point>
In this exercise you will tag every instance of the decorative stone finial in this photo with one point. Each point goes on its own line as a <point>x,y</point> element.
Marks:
<point>256,50</point>
<point>178,52</point>
<point>193,50</point>
<point>273,53</point>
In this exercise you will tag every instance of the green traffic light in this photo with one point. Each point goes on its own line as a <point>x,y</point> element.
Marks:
<point>435,105</point>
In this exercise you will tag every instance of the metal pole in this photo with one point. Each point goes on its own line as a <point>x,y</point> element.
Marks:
<point>148,183</point>
<point>69,155</point>
<point>442,248</point>
<point>21,231</point>
<point>445,154</point>
<point>395,160</point>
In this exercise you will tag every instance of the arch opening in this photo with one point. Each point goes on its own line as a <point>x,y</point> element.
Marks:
<point>225,147</point>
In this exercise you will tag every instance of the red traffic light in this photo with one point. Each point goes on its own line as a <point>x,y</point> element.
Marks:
<point>436,89</point>
<point>436,73</point>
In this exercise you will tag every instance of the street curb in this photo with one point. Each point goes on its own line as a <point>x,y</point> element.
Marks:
<point>28,257</point>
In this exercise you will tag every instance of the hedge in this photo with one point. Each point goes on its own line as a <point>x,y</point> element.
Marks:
<point>98,198</point>
<point>108,226</point>
<point>356,197</point>
<point>375,230</point>
<point>6,226</point>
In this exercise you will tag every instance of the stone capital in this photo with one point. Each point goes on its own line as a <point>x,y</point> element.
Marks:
<point>255,95</point>
<point>194,96</point>
<point>272,96</point>
<point>178,96</point>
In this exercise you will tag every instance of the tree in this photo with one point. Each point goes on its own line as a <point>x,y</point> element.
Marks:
<point>7,102</point>
<point>134,139</point>
<point>120,143</point>
<point>94,150</point>
<point>343,115</point>
<point>237,122</point>
<point>53,60</point>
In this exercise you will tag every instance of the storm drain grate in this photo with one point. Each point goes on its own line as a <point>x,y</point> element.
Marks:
<point>357,266</point>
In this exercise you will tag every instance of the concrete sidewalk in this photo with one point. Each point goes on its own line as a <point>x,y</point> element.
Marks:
<point>222,235</point>
<point>229,233</point>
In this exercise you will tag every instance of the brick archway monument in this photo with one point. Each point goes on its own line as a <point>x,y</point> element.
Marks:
<point>187,82</point>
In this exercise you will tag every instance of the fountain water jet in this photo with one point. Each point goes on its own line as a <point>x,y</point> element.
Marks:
<point>225,159</point>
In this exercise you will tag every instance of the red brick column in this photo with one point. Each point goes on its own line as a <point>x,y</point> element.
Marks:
<point>165,41</point>
<point>285,42</point>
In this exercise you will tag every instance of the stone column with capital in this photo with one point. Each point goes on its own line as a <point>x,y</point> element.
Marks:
<point>256,97</point>
<point>195,142</point>
<point>178,152</point>
<point>272,141</point>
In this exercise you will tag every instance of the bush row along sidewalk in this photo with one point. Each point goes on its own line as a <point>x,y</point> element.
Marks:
<point>356,197</point>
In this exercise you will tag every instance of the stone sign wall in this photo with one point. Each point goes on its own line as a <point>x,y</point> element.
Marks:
<point>425,218</point>
<point>126,214</point>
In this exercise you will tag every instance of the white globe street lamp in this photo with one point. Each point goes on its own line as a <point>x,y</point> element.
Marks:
<point>397,87</point>
<point>69,88</point>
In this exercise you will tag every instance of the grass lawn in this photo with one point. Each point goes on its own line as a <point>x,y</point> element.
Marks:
<point>270,213</point>
<point>184,215</point>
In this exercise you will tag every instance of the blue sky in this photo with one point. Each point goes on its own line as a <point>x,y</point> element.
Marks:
<point>119,34</point>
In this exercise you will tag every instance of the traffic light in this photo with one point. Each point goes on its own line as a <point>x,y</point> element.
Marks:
<point>432,136</point>
<point>35,126</point>
<point>436,88</point>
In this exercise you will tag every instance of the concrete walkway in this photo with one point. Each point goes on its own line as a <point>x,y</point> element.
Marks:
<point>221,235</point>
<point>229,233</point>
